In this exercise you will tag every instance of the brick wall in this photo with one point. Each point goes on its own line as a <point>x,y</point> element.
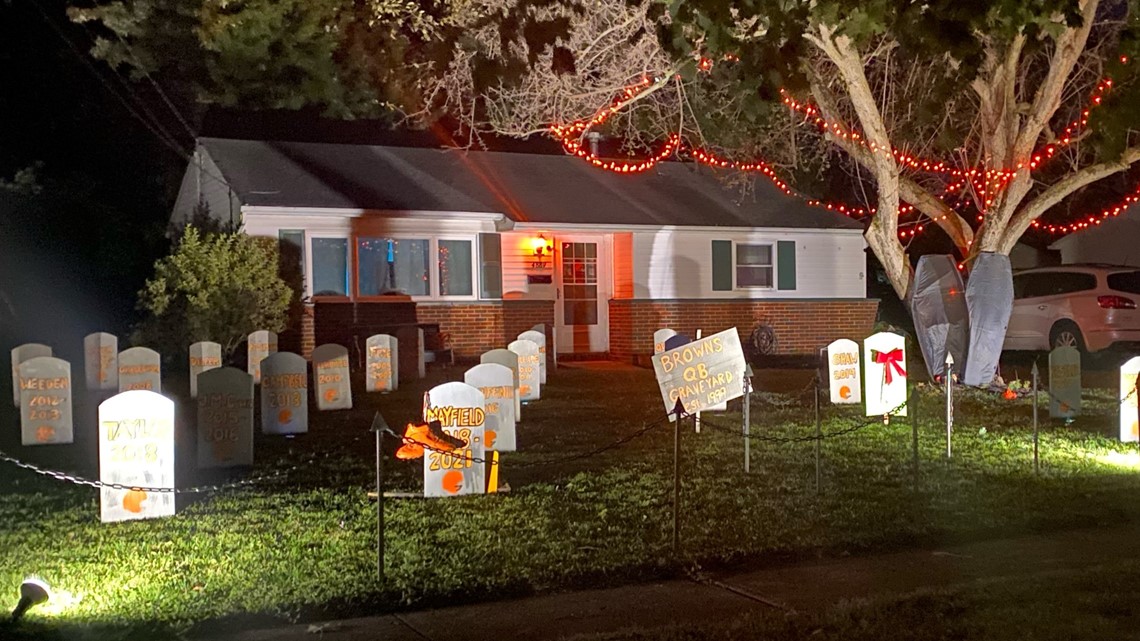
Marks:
<point>801,327</point>
<point>479,326</point>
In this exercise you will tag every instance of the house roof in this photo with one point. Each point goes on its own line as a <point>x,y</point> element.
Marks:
<point>525,187</point>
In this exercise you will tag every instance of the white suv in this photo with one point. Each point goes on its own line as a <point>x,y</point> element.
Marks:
<point>1089,307</point>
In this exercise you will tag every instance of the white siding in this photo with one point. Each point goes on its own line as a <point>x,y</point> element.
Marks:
<point>1113,242</point>
<point>518,255</point>
<point>675,263</point>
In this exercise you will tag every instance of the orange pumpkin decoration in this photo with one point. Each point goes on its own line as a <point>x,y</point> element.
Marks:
<point>132,501</point>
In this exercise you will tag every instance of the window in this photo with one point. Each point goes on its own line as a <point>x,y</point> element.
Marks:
<point>455,263</point>
<point>490,266</point>
<point>1040,284</point>
<point>1125,282</point>
<point>753,265</point>
<point>291,257</point>
<point>330,266</point>
<point>393,265</point>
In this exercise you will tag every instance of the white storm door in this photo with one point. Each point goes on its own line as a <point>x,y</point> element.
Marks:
<point>581,313</point>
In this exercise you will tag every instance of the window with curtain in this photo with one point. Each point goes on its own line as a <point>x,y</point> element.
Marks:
<point>455,275</point>
<point>393,265</point>
<point>753,265</point>
<point>330,267</point>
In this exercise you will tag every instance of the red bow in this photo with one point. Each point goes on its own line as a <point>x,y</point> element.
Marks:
<point>888,360</point>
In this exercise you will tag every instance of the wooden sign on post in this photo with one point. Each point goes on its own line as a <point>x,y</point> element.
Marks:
<point>843,372</point>
<point>330,370</point>
<point>538,338</point>
<point>508,359</point>
<point>20,354</point>
<point>225,418</point>
<point>140,368</point>
<point>284,394</point>
<point>702,373</point>
<point>884,360</point>
<point>45,401</point>
<point>1129,397</point>
<point>1064,383</point>
<point>460,409</point>
<point>136,449</point>
<point>204,356</point>
<point>382,363</point>
<point>529,381</point>
<point>497,383</point>
<point>100,361</point>
<point>659,338</point>
<point>259,344</point>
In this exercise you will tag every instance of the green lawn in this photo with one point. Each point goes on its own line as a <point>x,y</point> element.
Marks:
<point>302,546</point>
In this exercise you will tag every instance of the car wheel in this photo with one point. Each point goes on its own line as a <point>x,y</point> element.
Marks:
<point>1066,334</point>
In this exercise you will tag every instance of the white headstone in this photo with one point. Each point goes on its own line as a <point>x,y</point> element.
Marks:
<point>259,344</point>
<point>1064,383</point>
<point>508,359</point>
<point>45,401</point>
<point>330,371</point>
<point>136,449</point>
<point>100,361</point>
<point>1129,397</point>
<point>703,373</point>
<point>659,338</point>
<point>20,354</point>
<point>284,394</point>
<point>843,371</point>
<point>884,361</point>
<point>225,418</point>
<point>382,363</point>
<point>204,356</point>
<point>497,382</point>
<point>538,338</point>
<point>460,409</point>
<point>529,382</point>
<point>140,368</point>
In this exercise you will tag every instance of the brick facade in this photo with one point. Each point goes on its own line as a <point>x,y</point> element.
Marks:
<point>801,326</point>
<point>479,326</point>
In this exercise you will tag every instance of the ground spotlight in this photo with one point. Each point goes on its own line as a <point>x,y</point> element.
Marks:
<point>33,592</point>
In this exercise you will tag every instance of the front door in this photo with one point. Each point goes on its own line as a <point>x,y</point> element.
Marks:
<point>582,312</point>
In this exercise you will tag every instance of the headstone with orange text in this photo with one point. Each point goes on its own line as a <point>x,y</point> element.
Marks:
<point>497,382</point>
<point>843,372</point>
<point>508,359</point>
<point>20,354</point>
<point>136,450</point>
<point>204,356</point>
<point>225,418</point>
<point>259,344</point>
<point>529,374</point>
<point>140,368</point>
<point>330,371</point>
<point>538,338</point>
<point>461,411</point>
<point>45,401</point>
<point>659,338</point>
<point>100,361</point>
<point>284,394</point>
<point>1129,397</point>
<point>1064,382</point>
<point>381,363</point>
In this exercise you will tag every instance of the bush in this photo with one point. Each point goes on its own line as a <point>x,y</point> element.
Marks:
<point>217,287</point>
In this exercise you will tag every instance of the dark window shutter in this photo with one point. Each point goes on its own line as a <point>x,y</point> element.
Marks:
<point>722,265</point>
<point>785,264</point>
<point>490,266</point>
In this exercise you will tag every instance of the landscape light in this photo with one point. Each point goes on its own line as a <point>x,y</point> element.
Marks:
<point>33,592</point>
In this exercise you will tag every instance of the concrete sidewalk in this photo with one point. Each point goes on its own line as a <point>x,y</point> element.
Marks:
<point>807,587</point>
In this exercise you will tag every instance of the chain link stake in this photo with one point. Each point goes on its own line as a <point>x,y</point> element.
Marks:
<point>818,432</point>
<point>379,426</point>
<point>747,418</point>
<point>912,410</point>
<point>1036,459</point>
<point>949,400</point>
<point>678,412</point>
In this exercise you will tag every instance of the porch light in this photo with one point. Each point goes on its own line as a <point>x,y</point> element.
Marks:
<point>541,246</point>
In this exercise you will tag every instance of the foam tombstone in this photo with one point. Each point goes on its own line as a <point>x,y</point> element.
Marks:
<point>843,372</point>
<point>259,345</point>
<point>538,338</point>
<point>20,354</point>
<point>225,418</point>
<point>497,382</point>
<point>136,451</point>
<point>45,401</point>
<point>1064,382</point>
<point>330,370</point>
<point>508,359</point>
<point>659,338</point>
<point>382,363</point>
<point>885,380</point>
<point>140,368</point>
<point>1129,401</point>
<point>461,411</point>
<point>204,356</point>
<point>101,361</point>
<point>529,376</point>
<point>284,394</point>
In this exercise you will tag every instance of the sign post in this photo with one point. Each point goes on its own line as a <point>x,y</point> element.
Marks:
<point>747,418</point>
<point>379,426</point>
<point>949,399</point>
<point>678,413</point>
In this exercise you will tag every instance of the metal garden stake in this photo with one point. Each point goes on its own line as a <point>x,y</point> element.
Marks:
<point>747,405</point>
<point>818,431</point>
<point>1036,460</point>
<point>949,400</point>
<point>678,412</point>
<point>379,426</point>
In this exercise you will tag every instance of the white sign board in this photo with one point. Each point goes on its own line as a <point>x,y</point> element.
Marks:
<point>509,359</point>
<point>460,409</point>
<point>225,418</point>
<point>204,356</point>
<point>843,371</point>
<point>538,338</point>
<point>381,363</point>
<point>136,449</point>
<point>529,381</point>
<point>284,394</point>
<point>497,382</point>
<point>45,401</point>
<point>100,361</point>
<point>20,354</point>
<point>140,368</point>
<point>1064,383</point>
<point>330,371</point>
<point>1129,397</point>
<point>259,344</point>
<point>659,338</point>
<point>701,374</point>
<point>884,361</point>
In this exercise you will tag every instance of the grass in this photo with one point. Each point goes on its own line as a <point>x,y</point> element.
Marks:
<point>302,547</point>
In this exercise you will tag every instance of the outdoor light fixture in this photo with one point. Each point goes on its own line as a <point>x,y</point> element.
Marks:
<point>541,246</point>
<point>33,592</point>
